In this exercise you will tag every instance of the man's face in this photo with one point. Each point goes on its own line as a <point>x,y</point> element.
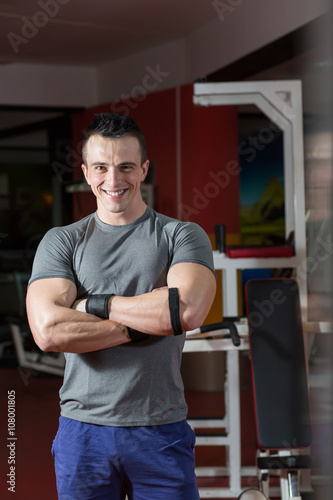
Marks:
<point>114,173</point>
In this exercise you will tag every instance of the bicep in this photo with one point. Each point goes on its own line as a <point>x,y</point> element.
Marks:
<point>197,287</point>
<point>190,276</point>
<point>46,294</point>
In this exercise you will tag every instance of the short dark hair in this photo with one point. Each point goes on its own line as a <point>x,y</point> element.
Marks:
<point>114,126</point>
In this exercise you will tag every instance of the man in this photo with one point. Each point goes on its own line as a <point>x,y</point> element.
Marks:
<point>115,292</point>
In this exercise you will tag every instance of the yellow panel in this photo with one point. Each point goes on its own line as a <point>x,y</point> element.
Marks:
<point>216,314</point>
<point>231,239</point>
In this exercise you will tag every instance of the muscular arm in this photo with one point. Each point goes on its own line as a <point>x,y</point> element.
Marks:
<point>149,312</point>
<point>58,328</point>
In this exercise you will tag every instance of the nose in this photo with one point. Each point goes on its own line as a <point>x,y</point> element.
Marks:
<point>113,177</point>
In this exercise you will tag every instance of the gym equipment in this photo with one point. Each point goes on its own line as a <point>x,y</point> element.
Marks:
<point>226,324</point>
<point>230,338</point>
<point>252,494</point>
<point>13,287</point>
<point>279,373</point>
<point>281,102</point>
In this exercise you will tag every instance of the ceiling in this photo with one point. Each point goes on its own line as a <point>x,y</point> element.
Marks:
<point>92,33</point>
<point>87,33</point>
<point>82,32</point>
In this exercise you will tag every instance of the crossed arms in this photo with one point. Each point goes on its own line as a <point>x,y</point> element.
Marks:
<point>59,324</point>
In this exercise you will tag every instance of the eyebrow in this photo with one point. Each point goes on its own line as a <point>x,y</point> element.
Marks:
<point>103,163</point>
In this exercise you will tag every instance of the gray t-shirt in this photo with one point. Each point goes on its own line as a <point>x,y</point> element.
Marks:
<point>135,383</point>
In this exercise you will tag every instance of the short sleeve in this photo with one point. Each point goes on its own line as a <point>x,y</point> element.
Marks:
<point>191,244</point>
<point>54,257</point>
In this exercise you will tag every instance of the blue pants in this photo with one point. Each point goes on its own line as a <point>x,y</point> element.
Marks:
<point>108,463</point>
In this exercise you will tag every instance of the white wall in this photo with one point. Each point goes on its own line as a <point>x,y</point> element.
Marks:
<point>154,69</point>
<point>248,27</point>
<point>46,85</point>
<point>234,33</point>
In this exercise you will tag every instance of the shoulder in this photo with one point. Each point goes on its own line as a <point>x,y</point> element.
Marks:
<point>70,233</point>
<point>55,252</point>
<point>181,233</point>
<point>174,225</point>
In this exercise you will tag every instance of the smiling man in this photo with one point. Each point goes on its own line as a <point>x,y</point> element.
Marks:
<point>115,173</point>
<point>115,292</point>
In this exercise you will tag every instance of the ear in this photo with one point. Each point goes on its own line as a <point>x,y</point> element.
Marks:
<point>145,168</point>
<point>85,171</point>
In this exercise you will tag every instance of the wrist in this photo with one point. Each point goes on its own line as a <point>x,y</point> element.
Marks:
<point>98,305</point>
<point>135,335</point>
<point>79,305</point>
<point>111,297</point>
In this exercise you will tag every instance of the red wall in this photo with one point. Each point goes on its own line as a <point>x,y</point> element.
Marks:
<point>209,141</point>
<point>207,145</point>
<point>156,116</point>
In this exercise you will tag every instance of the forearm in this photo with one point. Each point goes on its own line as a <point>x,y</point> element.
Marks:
<point>151,312</point>
<point>67,330</point>
<point>148,313</point>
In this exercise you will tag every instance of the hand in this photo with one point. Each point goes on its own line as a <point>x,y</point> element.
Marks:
<point>79,305</point>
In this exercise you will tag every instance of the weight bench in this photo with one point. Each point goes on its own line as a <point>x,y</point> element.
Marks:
<point>29,357</point>
<point>279,375</point>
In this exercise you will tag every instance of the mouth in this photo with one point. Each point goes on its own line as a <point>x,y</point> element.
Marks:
<point>115,194</point>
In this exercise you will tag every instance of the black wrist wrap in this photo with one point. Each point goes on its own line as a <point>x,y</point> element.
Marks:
<point>98,304</point>
<point>135,335</point>
<point>174,311</point>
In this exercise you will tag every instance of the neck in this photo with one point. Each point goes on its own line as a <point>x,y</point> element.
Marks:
<point>121,218</point>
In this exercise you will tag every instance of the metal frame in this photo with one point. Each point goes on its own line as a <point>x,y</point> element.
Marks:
<point>231,421</point>
<point>34,360</point>
<point>30,359</point>
<point>281,102</point>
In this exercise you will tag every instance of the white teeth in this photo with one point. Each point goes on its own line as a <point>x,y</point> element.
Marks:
<point>115,193</point>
